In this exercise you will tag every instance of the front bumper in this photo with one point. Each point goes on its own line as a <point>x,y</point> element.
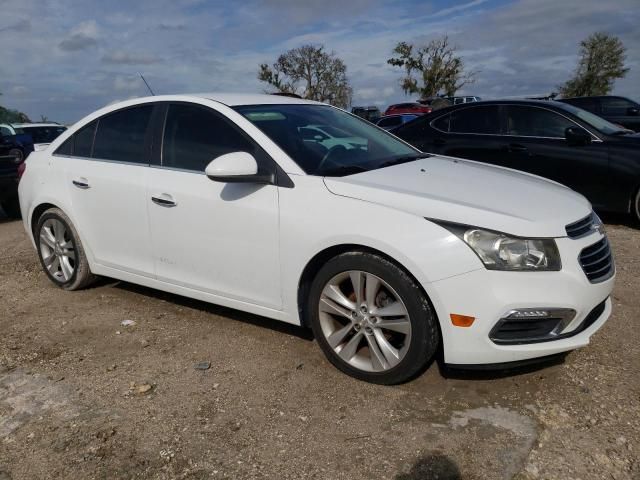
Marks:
<point>489,295</point>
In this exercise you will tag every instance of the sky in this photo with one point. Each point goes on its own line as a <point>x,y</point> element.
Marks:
<point>64,59</point>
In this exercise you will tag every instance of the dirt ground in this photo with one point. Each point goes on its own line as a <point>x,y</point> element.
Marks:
<point>83,396</point>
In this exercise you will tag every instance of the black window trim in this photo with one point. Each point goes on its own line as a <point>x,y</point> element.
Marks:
<point>282,179</point>
<point>147,138</point>
<point>594,138</point>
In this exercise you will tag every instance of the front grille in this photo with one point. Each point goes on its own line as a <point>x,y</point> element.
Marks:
<point>597,261</point>
<point>582,227</point>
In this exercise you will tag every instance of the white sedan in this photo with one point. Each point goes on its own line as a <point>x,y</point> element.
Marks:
<point>387,253</point>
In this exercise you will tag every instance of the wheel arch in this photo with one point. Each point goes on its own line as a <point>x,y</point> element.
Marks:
<point>313,266</point>
<point>37,213</point>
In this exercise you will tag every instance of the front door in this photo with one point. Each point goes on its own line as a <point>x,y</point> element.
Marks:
<point>535,140</point>
<point>219,238</point>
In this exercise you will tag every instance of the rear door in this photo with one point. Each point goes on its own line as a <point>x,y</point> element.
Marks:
<point>106,167</point>
<point>535,141</point>
<point>471,132</point>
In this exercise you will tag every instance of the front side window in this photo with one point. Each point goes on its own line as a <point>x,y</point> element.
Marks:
<point>194,136</point>
<point>478,120</point>
<point>526,121</point>
<point>121,135</point>
<point>616,106</point>
<point>361,146</point>
<point>83,141</point>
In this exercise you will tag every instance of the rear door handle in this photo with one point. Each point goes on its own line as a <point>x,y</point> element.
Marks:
<point>81,182</point>
<point>164,200</point>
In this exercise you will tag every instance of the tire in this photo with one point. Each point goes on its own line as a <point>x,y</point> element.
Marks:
<point>19,154</point>
<point>635,208</point>
<point>11,207</point>
<point>60,250</point>
<point>394,312</point>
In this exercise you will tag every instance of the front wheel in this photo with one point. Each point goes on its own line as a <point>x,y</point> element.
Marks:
<point>371,319</point>
<point>60,251</point>
<point>635,208</point>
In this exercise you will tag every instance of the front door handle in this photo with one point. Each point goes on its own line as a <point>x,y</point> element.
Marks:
<point>164,200</point>
<point>81,182</point>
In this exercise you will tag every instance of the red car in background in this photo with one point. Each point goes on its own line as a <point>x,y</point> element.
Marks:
<point>413,107</point>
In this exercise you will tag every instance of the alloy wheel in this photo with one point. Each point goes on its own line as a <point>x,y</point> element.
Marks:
<point>57,250</point>
<point>364,321</point>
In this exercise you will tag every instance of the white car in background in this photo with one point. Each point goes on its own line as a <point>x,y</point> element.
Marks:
<point>41,133</point>
<point>385,252</point>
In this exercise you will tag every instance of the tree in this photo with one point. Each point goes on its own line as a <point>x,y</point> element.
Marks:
<point>601,62</point>
<point>312,73</point>
<point>438,68</point>
<point>8,115</point>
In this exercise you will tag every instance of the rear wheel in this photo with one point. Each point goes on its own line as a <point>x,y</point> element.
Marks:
<point>371,319</point>
<point>60,251</point>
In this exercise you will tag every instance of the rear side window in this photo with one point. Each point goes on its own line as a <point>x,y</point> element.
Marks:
<point>536,122</point>
<point>121,135</point>
<point>441,123</point>
<point>83,141</point>
<point>193,136</point>
<point>590,104</point>
<point>485,120</point>
<point>615,106</point>
<point>66,148</point>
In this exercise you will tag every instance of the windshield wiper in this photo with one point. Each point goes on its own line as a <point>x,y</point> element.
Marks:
<point>342,171</point>
<point>407,159</point>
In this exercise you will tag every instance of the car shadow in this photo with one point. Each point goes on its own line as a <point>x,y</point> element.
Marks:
<point>478,373</point>
<point>238,315</point>
<point>495,372</point>
<point>432,466</point>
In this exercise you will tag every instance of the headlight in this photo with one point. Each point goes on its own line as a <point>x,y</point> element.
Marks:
<point>499,251</point>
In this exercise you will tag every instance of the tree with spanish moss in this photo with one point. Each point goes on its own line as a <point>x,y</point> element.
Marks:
<point>312,73</point>
<point>601,63</point>
<point>432,69</point>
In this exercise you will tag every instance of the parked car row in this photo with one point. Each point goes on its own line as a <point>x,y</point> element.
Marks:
<point>551,139</point>
<point>17,141</point>
<point>300,212</point>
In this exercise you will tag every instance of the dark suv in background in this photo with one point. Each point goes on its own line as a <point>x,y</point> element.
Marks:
<point>619,110</point>
<point>11,161</point>
<point>551,139</point>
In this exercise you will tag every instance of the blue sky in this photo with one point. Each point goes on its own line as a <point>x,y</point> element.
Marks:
<point>64,58</point>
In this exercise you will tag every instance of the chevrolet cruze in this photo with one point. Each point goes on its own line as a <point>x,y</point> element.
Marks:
<point>387,253</point>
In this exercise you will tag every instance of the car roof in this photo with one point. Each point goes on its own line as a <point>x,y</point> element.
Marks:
<point>538,103</point>
<point>237,99</point>
<point>27,125</point>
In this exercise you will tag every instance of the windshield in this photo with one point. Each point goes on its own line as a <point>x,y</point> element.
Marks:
<point>326,141</point>
<point>43,134</point>
<point>595,121</point>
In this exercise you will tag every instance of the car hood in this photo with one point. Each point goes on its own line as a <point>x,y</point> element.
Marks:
<point>470,193</point>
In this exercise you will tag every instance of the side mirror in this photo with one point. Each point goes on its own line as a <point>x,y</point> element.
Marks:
<point>577,136</point>
<point>633,111</point>
<point>237,167</point>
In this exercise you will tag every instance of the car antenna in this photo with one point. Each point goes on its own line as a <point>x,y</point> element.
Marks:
<point>145,82</point>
